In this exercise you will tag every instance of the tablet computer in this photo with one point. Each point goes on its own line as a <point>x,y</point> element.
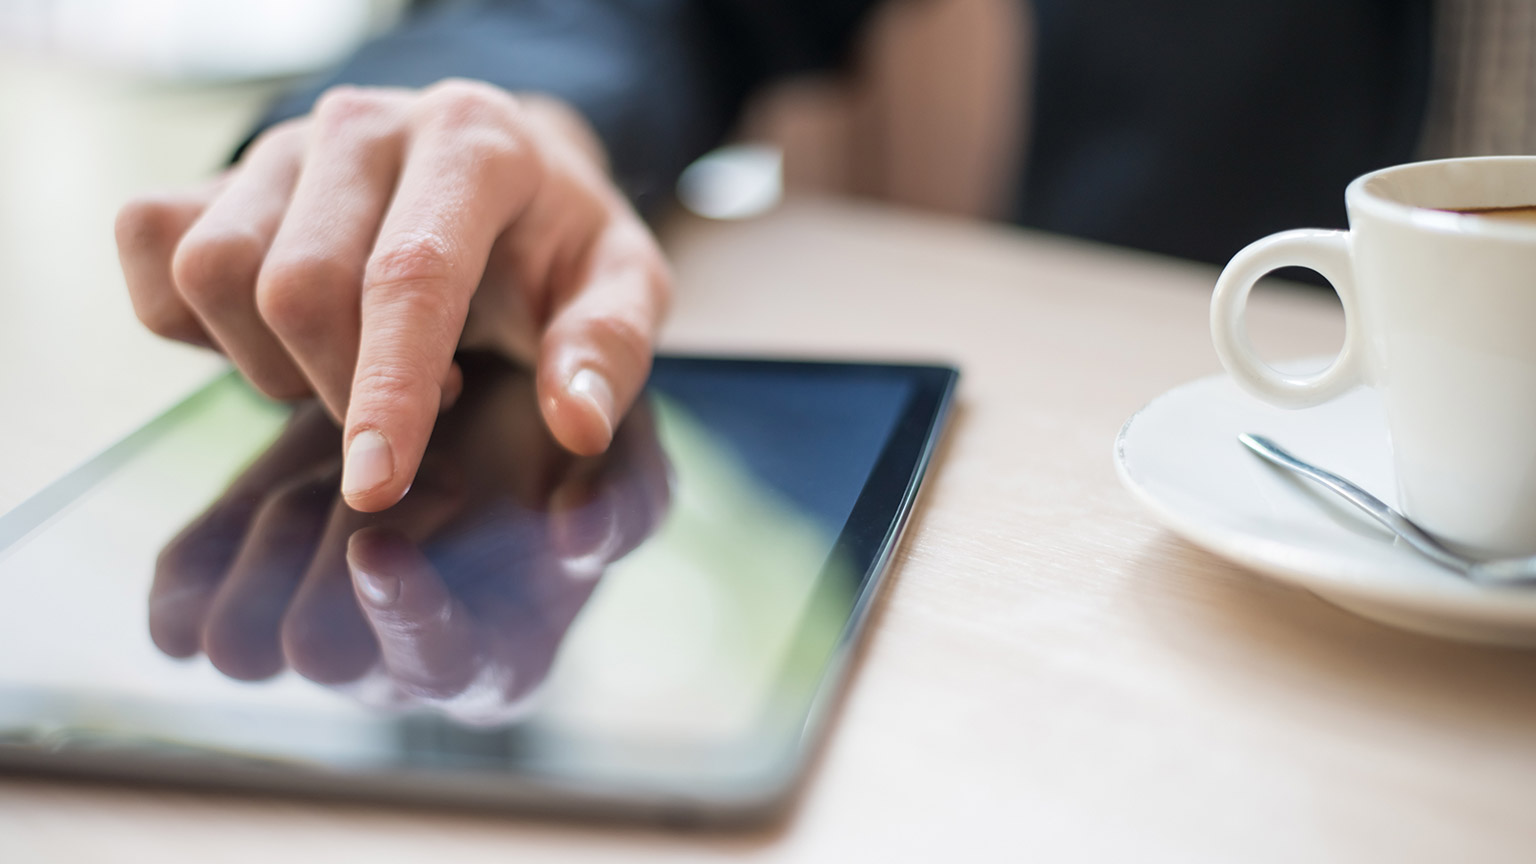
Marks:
<point>657,632</point>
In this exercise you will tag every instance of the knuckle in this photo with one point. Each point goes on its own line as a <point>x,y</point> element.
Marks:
<point>422,258</point>
<point>493,150</point>
<point>384,382</point>
<point>345,106</point>
<point>462,102</point>
<point>623,336</point>
<point>474,113</point>
<point>484,125</point>
<point>296,297</point>
<point>285,136</point>
<point>210,270</point>
<point>389,389</point>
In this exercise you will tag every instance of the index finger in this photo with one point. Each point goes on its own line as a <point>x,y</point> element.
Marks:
<point>466,175</point>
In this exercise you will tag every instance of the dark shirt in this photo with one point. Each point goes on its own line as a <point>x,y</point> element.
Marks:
<point>1188,127</point>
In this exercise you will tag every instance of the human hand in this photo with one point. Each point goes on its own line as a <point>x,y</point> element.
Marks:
<point>455,600</point>
<point>351,252</point>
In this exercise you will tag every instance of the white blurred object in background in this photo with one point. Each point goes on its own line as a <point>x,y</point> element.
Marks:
<point>219,40</point>
<point>738,181</point>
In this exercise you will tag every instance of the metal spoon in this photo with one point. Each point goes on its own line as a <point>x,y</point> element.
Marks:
<point>1503,571</point>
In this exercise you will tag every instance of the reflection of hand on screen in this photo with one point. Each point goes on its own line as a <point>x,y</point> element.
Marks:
<point>457,597</point>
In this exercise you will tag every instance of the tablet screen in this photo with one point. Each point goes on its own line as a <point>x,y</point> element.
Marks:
<point>658,622</point>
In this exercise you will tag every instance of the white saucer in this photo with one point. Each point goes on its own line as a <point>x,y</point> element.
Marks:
<point>1180,456</point>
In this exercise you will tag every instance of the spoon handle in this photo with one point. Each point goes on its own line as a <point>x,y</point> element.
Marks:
<point>1372,506</point>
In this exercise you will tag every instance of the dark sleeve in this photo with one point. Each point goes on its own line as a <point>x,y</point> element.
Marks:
<point>1193,127</point>
<point>661,81</point>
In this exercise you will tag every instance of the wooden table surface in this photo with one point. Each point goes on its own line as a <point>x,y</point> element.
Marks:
<point>1049,675</point>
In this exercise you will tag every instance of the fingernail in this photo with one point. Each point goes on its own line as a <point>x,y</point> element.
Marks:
<point>376,589</point>
<point>594,388</point>
<point>370,463</point>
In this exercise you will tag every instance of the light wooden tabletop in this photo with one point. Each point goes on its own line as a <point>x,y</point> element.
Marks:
<point>1050,675</point>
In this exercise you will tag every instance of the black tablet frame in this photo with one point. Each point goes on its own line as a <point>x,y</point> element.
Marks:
<point>864,549</point>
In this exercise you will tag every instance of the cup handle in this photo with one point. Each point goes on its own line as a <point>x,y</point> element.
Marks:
<point>1327,253</point>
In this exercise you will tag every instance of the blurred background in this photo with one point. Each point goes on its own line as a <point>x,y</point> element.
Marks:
<point>103,101</point>
<point>198,40</point>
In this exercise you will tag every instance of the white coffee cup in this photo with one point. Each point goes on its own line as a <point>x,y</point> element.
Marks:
<point>1440,312</point>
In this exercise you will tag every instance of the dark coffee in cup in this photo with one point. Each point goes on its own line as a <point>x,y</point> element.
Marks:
<point>1526,213</point>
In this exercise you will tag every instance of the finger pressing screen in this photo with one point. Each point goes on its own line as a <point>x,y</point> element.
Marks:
<point>464,178</point>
